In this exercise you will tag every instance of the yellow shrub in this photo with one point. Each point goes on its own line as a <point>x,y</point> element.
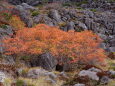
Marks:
<point>8,82</point>
<point>16,22</point>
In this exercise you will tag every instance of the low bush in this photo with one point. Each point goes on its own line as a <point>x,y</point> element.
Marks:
<point>68,47</point>
<point>16,22</point>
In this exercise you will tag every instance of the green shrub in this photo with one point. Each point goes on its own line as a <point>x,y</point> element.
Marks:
<point>45,1</point>
<point>35,13</point>
<point>111,1</point>
<point>25,57</point>
<point>31,85</point>
<point>3,26</point>
<point>93,10</point>
<point>80,8</point>
<point>81,2</point>
<point>62,24</point>
<point>66,4</point>
<point>7,16</point>
<point>19,83</point>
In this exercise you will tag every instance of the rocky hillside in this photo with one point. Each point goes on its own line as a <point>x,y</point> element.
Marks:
<point>98,16</point>
<point>24,66</point>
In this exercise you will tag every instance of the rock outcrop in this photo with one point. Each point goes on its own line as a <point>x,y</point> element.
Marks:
<point>46,61</point>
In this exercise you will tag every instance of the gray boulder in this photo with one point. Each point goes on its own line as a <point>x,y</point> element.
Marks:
<point>2,76</point>
<point>92,75</point>
<point>44,19</point>
<point>71,25</point>
<point>88,22</point>
<point>27,7</point>
<point>112,42</point>
<point>34,2</point>
<point>94,69</point>
<point>64,75</point>
<point>48,21</point>
<point>104,37</point>
<point>79,85</point>
<point>30,2</point>
<point>51,75</point>
<point>36,73</point>
<point>53,82</point>
<point>25,15</point>
<point>46,61</point>
<point>89,13</point>
<point>111,72</point>
<point>15,2</point>
<point>36,19</point>
<point>54,14</point>
<point>7,31</point>
<point>112,49</point>
<point>81,25</point>
<point>105,80</point>
<point>103,45</point>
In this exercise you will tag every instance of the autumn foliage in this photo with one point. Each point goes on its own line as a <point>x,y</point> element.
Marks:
<point>7,16</point>
<point>16,22</point>
<point>75,46</point>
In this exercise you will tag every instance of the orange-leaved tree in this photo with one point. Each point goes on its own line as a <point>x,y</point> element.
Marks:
<point>75,46</point>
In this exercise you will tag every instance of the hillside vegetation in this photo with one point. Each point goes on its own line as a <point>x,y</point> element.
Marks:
<point>57,43</point>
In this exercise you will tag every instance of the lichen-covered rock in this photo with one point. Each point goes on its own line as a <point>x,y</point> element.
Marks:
<point>79,85</point>
<point>2,76</point>
<point>92,75</point>
<point>36,73</point>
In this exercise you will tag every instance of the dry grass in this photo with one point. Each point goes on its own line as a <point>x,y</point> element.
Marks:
<point>41,81</point>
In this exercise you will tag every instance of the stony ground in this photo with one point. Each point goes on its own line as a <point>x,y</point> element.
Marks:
<point>98,16</point>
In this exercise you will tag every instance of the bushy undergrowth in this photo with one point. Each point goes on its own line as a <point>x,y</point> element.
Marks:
<point>70,46</point>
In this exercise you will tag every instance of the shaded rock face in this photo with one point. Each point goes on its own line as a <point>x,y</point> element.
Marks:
<point>105,79</point>
<point>7,31</point>
<point>46,61</point>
